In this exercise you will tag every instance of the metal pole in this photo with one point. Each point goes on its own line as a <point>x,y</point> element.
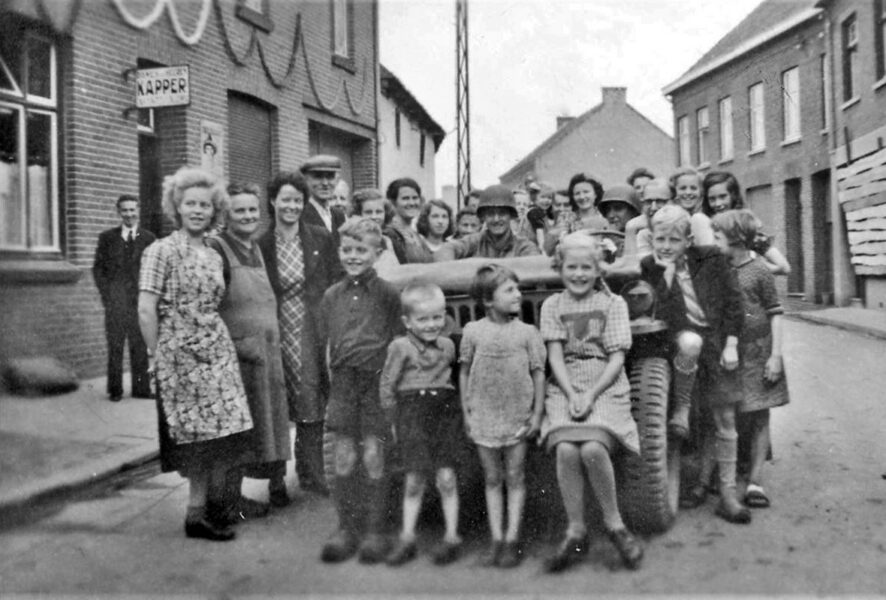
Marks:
<point>462,104</point>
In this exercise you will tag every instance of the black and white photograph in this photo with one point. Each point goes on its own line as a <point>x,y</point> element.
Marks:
<point>442,298</point>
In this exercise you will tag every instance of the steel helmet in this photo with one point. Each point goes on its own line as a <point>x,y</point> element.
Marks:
<point>621,193</point>
<point>497,196</point>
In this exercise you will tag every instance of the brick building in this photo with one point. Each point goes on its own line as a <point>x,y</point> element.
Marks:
<point>856,36</point>
<point>270,82</point>
<point>408,137</point>
<point>608,141</point>
<point>756,104</point>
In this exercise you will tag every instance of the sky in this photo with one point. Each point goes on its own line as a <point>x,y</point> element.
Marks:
<point>534,60</point>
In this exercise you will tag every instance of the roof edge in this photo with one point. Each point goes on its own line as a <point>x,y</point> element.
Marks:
<point>392,86</point>
<point>743,49</point>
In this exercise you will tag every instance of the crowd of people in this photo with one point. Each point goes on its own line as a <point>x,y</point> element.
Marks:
<point>246,333</point>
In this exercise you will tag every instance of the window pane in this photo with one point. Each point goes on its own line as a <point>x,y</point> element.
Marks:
<point>40,194</point>
<point>340,19</point>
<point>757,127</point>
<point>790,82</point>
<point>10,55</point>
<point>726,128</point>
<point>39,72</point>
<point>11,217</point>
<point>683,130</point>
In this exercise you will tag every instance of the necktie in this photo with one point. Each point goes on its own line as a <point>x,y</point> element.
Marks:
<point>129,238</point>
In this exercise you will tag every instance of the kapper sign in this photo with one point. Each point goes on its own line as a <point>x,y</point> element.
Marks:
<point>165,86</point>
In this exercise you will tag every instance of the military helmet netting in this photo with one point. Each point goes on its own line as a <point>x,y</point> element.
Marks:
<point>497,196</point>
<point>621,193</point>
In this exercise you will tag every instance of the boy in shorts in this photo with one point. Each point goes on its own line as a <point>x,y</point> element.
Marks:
<point>416,383</point>
<point>700,300</point>
<point>359,316</point>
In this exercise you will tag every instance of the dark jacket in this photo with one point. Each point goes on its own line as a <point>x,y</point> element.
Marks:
<point>310,216</point>
<point>115,273</point>
<point>715,285</point>
<point>322,267</point>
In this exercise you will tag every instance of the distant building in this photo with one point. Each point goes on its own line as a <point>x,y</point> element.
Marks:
<point>856,35</point>
<point>408,137</point>
<point>756,104</point>
<point>270,83</point>
<point>608,141</point>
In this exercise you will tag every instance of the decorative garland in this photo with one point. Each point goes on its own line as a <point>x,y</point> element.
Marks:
<point>151,18</point>
<point>298,43</point>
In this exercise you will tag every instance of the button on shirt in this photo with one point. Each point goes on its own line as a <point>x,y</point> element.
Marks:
<point>413,364</point>
<point>359,316</point>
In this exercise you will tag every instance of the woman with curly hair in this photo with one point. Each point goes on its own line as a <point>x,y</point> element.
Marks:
<point>204,417</point>
<point>435,223</point>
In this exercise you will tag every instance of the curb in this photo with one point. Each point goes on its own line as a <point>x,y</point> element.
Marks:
<point>814,317</point>
<point>63,484</point>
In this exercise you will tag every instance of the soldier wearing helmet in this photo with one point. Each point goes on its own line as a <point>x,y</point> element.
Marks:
<point>497,240</point>
<point>619,205</point>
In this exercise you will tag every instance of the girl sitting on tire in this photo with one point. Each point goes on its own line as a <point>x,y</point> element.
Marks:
<point>588,406</point>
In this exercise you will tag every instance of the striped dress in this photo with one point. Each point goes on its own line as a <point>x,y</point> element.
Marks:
<point>590,329</point>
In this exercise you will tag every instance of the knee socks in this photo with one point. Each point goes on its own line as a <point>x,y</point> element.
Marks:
<point>726,449</point>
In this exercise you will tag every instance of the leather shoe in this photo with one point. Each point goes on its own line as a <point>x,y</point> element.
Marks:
<point>510,555</point>
<point>402,553</point>
<point>491,556</point>
<point>278,496</point>
<point>115,397</point>
<point>734,514</point>
<point>205,529</point>
<point>445,553</point>
<point>340,547</point>
<point>314,486</point>
<point>567,553</point>
<point>628,547</point>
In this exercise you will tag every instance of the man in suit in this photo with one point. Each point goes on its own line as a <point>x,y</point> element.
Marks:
<point>116,269</point>
<point>321,173</point>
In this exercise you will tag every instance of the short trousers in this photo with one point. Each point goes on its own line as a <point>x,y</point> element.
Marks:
<point>716,386</point>
<point>430,429</point>
<point>354,408</point>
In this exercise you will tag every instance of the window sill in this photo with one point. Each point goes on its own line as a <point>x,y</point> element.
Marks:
<point>32,270</point>
<point>825,131</point>
<point>725,161</point>
<point>753,153</point>
<point>880,83</point>
<point>851,102</point>
<point>791,142</point>
<point>344,62</point>
<point>703,166</point>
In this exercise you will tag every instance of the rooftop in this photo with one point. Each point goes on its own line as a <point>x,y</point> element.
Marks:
<point>394,89</point>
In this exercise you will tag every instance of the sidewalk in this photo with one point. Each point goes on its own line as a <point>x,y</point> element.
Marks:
<point>53,444</point>
<point>857,320</point>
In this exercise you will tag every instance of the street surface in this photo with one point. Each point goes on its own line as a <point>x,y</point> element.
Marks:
<point>824,533</point>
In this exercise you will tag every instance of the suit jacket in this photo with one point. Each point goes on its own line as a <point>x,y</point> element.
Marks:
<point>115,274</point>
<point>322,267</point>
<point>310,216</point>
<point>716,286</point>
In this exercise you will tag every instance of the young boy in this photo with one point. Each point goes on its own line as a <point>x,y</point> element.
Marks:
<point>359,316</point>
<point>700,300</point>
<point>417,382</point>
<point>466,223</point>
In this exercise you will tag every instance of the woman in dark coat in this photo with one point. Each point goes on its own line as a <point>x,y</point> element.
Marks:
<point>302,262</point>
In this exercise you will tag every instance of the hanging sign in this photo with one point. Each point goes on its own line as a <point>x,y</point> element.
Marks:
<point>165,86</point>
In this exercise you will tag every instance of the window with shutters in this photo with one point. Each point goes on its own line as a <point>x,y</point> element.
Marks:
<point>29,211</point>
<point>849,44</point>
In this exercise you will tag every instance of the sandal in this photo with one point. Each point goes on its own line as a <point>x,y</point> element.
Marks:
<point>755,496</point>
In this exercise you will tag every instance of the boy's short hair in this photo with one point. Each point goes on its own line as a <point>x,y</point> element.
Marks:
<point>465,212</point>
<point>362,229</point>
<point>672,217</point>
<point>416,294</point>
<point>740,227</point>
<point>487,280</point>
<point>126,198</point>
<point>574,241</point>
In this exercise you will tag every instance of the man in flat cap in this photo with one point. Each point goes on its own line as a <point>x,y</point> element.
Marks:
<point>322,174</point>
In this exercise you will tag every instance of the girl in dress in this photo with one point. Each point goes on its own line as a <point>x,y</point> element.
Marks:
<point>588,404</point>
<point>762,370</point>
<point>501,382</point>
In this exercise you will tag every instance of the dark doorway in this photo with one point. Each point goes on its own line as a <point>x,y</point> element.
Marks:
<point>150,184</point>
<point>822,237</point>
<point>793,224</point>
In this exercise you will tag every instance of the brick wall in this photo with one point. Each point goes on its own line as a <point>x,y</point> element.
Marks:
<point>100,143</point>
<point>780,161</point>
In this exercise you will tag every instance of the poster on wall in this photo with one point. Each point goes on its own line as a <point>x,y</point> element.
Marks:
<point>212,147</point>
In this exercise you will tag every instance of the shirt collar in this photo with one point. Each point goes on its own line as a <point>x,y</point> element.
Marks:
<point>323,210</point>
<point>420,344</point>
<point>124,231</point>
<point>363,278</point>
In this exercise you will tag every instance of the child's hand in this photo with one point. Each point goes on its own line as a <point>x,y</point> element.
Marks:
<point>534,426</point>
<point>774,369</point>
<point>729,358</point>
<point>575,405</point>
<point>583,407</point>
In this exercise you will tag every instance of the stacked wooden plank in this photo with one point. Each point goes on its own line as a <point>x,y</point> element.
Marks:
<point>861,187</point>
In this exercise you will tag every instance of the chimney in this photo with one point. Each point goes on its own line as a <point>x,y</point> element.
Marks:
<point>561,121</point>
<point>615,95</point>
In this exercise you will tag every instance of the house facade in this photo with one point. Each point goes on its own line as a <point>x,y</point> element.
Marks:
<point>757,104</point>
<point>268,82</point>
<point>408,137</point>
<point>856,36</point>
<point>608,141</point>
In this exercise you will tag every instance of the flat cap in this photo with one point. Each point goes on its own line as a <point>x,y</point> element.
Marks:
<point>321,162</point>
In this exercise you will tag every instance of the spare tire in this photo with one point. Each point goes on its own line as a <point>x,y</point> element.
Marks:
<point>649,482</point>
